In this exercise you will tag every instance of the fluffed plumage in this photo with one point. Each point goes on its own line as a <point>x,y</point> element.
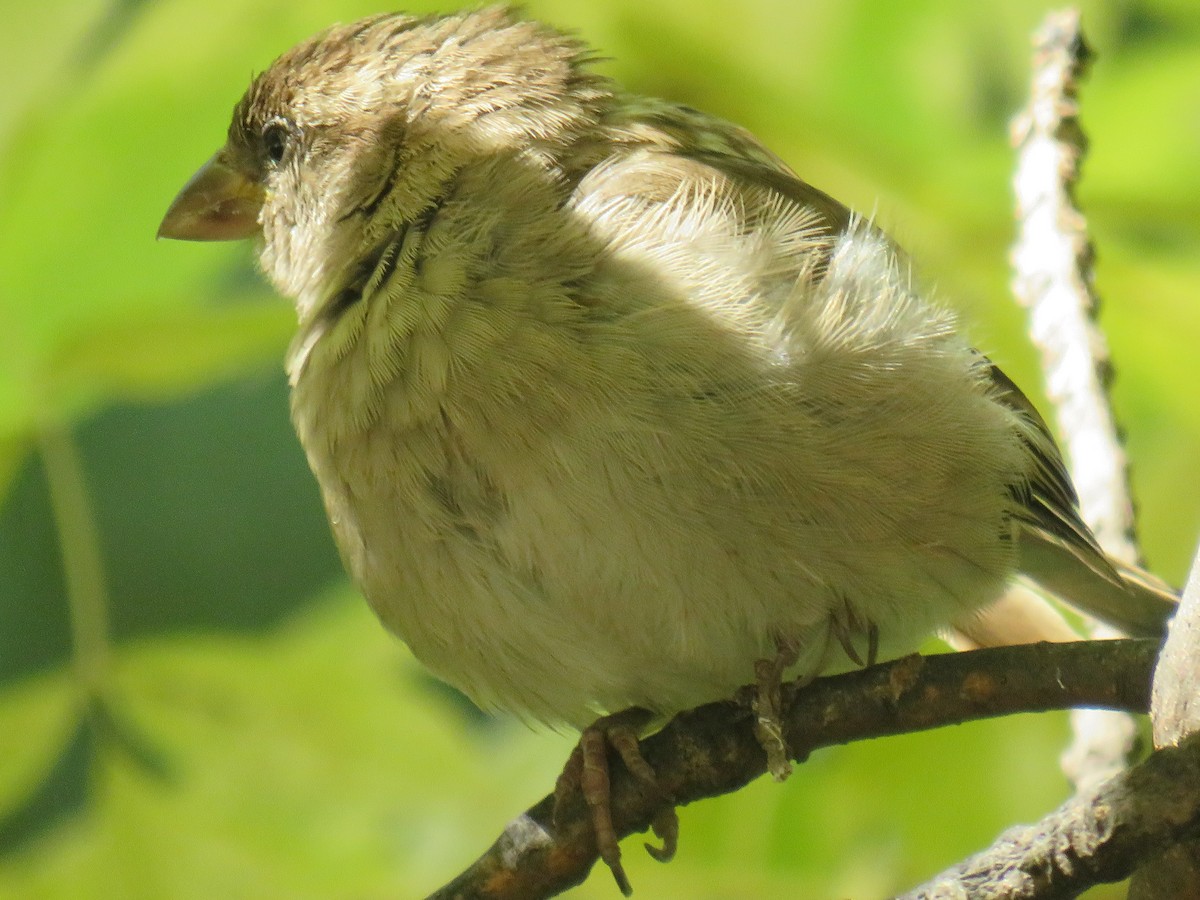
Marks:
<point>604,401</point>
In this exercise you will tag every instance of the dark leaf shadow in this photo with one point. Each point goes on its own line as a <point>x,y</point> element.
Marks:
<point>64,792</point>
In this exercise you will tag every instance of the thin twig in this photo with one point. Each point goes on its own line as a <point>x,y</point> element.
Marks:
<point>1052,260</point>
<point>712,750</point>
<point>83,568</point>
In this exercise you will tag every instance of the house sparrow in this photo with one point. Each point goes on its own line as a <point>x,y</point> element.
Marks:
<point>608,407</point>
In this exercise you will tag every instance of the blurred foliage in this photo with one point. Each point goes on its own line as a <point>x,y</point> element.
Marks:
<point>246,729</point>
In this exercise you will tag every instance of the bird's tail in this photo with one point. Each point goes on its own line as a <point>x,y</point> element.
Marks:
<point>1128,597</point>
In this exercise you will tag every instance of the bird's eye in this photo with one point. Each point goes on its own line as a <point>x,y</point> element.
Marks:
<point>276,137</point>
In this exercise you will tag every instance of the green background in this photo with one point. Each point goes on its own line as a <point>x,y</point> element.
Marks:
<point>257,733</point>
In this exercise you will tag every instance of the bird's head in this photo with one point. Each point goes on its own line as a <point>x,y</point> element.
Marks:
<point>360,129</point>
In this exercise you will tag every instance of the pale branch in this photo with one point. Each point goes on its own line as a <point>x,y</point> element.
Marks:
<point>1054,278</point>
<point>712,750</point>
<point>1175,705</point>
<point>1175,714</point>
<point>1052,260</point>
<point>1100,835</point>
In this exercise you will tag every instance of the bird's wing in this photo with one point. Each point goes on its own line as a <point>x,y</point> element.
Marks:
<point>728,179</point>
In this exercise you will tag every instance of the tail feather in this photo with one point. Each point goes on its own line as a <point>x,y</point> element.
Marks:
<point>1130,598</point>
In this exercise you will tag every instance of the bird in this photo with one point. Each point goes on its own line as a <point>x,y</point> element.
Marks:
<point>612,412</point>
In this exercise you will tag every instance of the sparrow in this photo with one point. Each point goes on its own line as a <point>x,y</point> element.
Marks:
<point>612,413</point>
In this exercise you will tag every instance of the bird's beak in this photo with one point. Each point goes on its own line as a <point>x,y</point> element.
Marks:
<point>219,203</point>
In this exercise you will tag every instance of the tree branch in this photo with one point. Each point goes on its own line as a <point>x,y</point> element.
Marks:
<point>1174,714</point>
<point>1176,706</point>
<point>1053,261</point>
<point>1100,835</point>
<point>1054,279</point>
<point>711,750</point>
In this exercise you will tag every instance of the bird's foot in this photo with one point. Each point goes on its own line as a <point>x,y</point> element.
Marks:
<point>767,703</point>
<point>766,697</point>
<point>846,626</point>
<point>588,770</point>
